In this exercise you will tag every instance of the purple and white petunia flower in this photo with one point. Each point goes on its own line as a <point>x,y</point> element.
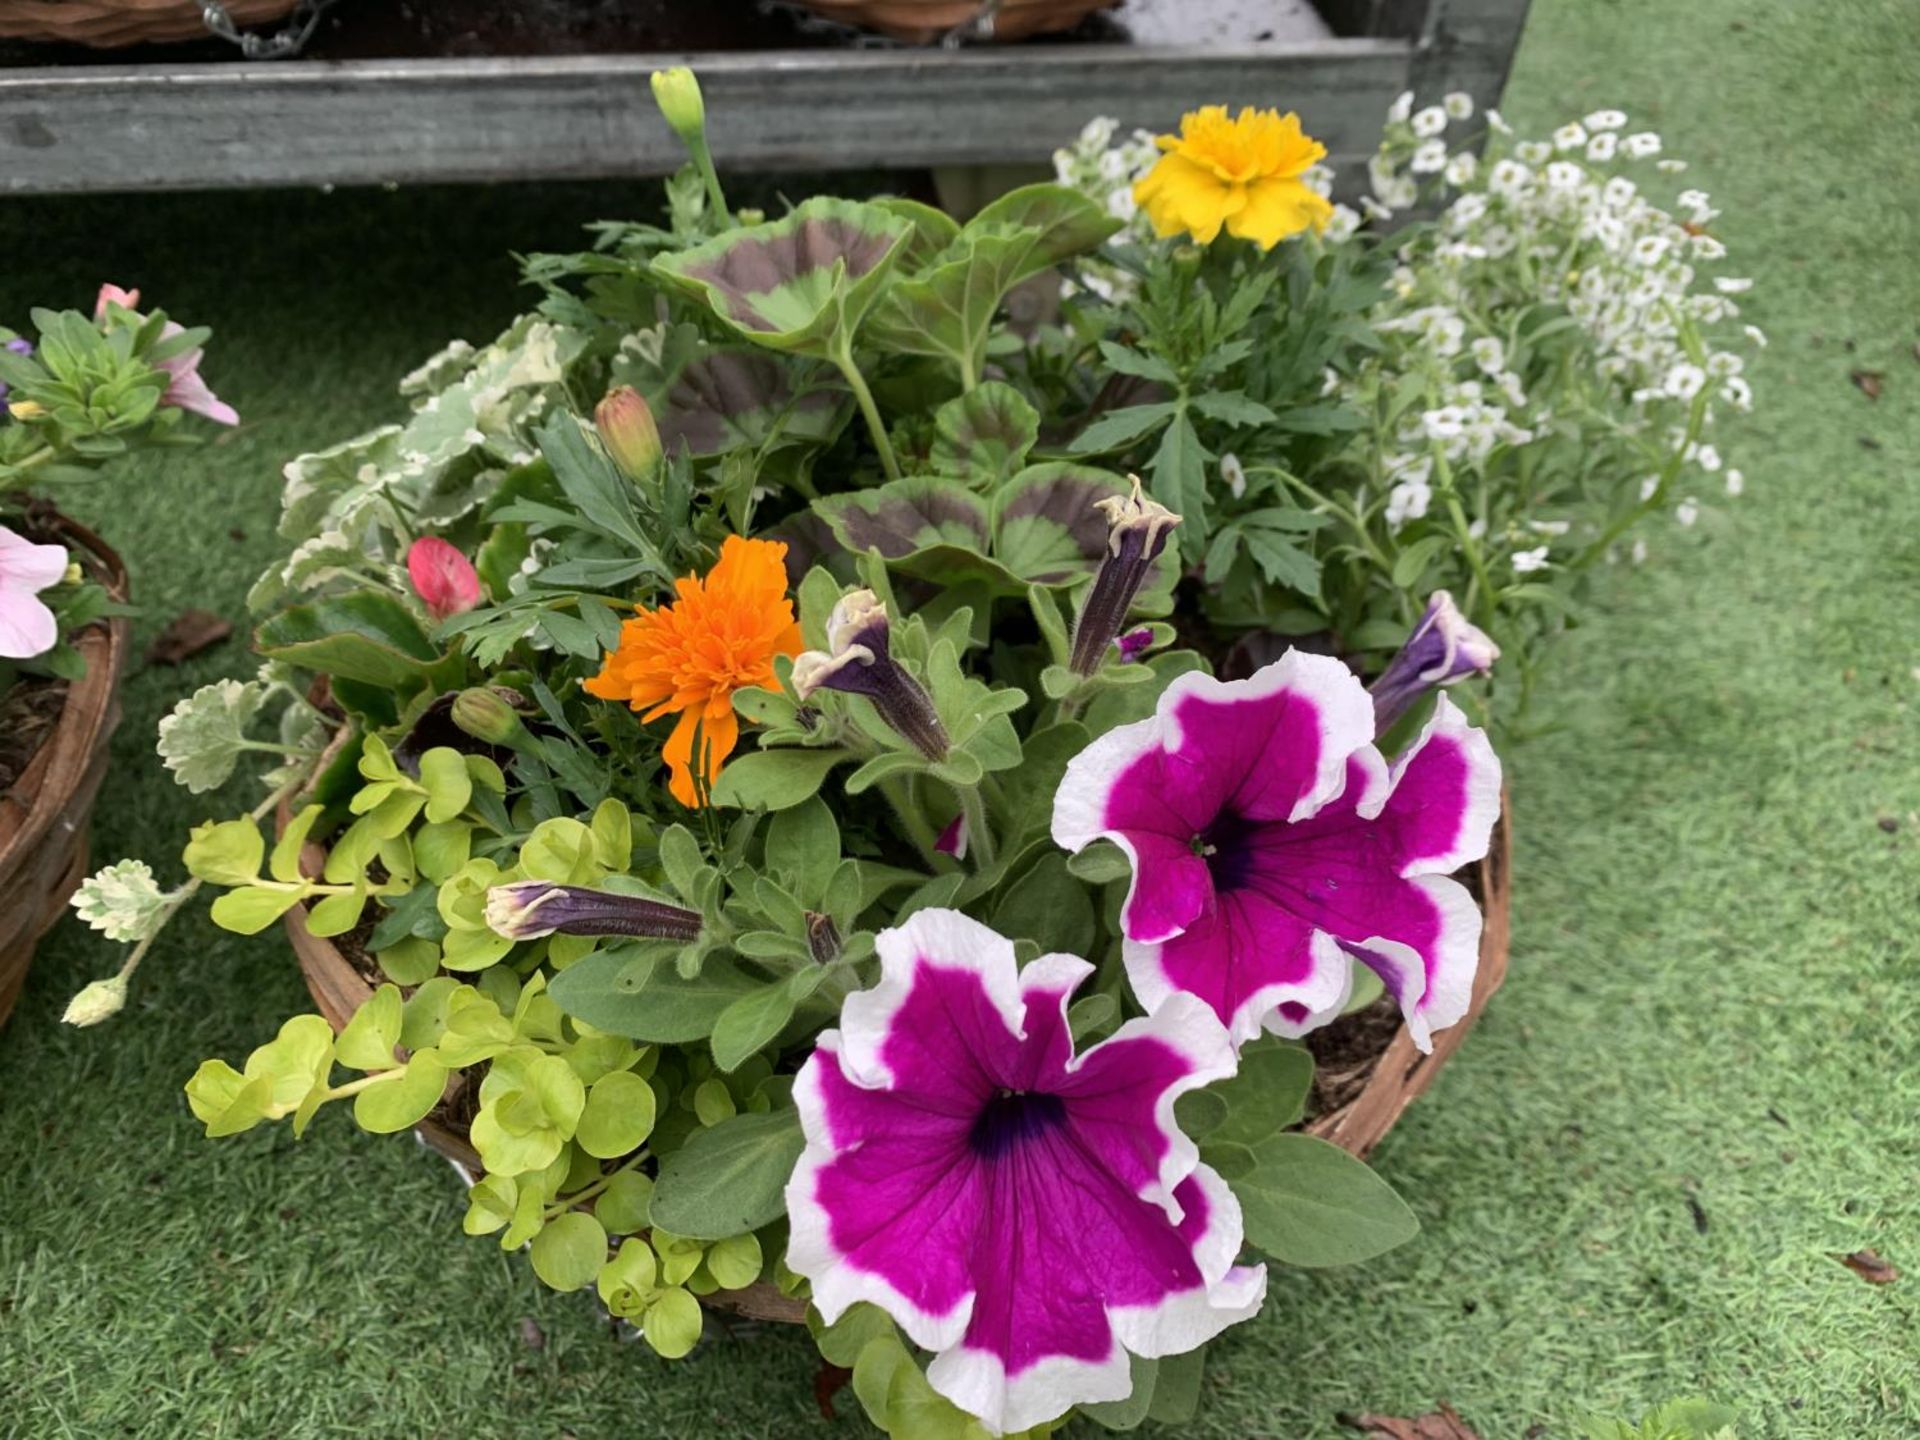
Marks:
<point>1273,846</point>
<point>1030,1215</point>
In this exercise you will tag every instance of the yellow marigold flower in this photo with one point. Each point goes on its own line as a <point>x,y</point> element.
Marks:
<point>1244,173</point>
<point>689,657</point>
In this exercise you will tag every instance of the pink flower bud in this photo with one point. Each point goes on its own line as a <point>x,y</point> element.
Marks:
<point>442,577</point>
<point>111,293</point>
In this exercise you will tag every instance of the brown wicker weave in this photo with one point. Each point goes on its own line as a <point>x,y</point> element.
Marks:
<point>919,22</point>
<point>43,819</point>
<point>1401,1074</point>
<point>111,24</point>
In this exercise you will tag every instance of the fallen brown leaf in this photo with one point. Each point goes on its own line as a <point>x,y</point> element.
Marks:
<point>1868,382</point>
<point>1868,1265</point>
<point>186,635</point>
<point>1443,1424</point>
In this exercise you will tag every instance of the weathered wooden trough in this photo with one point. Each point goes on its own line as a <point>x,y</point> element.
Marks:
<point>168,125</point>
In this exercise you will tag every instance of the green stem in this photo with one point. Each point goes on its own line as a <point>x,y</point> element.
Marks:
<point>340,1092</point>
<point>843,359</point>
<point>912,820</point>
<point>580,1197</point>
<point>703,160</point>
<point>980,843</point>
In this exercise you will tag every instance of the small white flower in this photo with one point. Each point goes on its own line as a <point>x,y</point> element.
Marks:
<point>1687,511</point>
<point>1533,152</point>
<point>1554,528</point>
<point>1737,393</point>
<point>1233,474</point>
<point>1374,209</point>
<point>1671,167</point>
<point>1458,104</point>
<point>1736,482</point>
<point>1618,192</point>
<point>1508,177</point>
<point>1342,223</point>
<point>1601,148</point>
<point>1429,158</point>
<point>1401,108</point>
<point>1121,204</point>
<point>1651,249</point>
<point>1724,363</point>
<point>1408,501</point>
<point>1648,486</point>
<point>1707,458</point>
<point>1570,136</point>
<point>1606,120</point>
<point>1430,122</point>
<point>1525,562</point>
<point>1756,335</point>
<point>1510,387</point>
<point>1462,168</point>
<point>1684,381</point>
<point>1477,528</point>
<point>1564,175</point>
<point>1643,146</point>
<point>1446,423</point>
<point>1639,552</point>
<point>1403,194</point>
<point>1489,354</point>
<point>1498,123</point>
<point>1705,247</point>
<point>1732,285</point>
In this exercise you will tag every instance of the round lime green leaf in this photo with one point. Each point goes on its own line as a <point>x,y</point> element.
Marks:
<point>735,1262</point>
<point>490,1204</point>
<point>626,1282</point>
<point>368,1040</point>
<point>569,1252</point>
<point>618,1116</point>
<point>623,1205</point>
<point>249,910</point>
<point>443,771</point>
<point>412,961</point>
<point>713,1102</point>
<point>673,1323</point>
<point>395,1105</point>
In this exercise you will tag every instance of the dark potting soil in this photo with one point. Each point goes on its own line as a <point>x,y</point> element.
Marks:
<point>28,713</point>
<point>1346,1053</point>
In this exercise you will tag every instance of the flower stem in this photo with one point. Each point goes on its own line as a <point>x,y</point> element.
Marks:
<point>979,833</point>
<point>581,1196</point>
<point>856,382</point>
<point>912,820</point>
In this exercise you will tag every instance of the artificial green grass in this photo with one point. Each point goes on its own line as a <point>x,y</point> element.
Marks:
<point>1714,962</point>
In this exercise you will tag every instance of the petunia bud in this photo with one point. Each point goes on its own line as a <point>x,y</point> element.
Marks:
<point>485,714</point>
<point>628,432</point>
<point>823,938</point>
<point>442,577</point>
<point>677,93</point>
<point>1444,649</point>
<point>529,909</point>
<point>1133,644</point>
<point>99,1001</point>
<point>862,663</point>
<point>114,295</point>
<point>953,839</point>
<point>1137,530</point>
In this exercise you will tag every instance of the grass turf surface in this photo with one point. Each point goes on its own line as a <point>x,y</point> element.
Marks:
<point>1702,1080</point>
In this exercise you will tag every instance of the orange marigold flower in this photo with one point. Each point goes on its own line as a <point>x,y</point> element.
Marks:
<point>1246,172</point>
<point>689,657</point>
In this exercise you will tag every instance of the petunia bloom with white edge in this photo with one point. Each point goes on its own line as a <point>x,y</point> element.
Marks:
<point>1273,846</point>
<point>1030,1215</point>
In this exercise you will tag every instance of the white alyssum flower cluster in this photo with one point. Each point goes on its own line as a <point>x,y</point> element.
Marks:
<point>1552,301</point>
<point>1103,164</point>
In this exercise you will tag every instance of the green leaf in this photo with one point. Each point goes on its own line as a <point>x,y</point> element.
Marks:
<point>735,1262</point>
<point>801,283</point>
<point>569,1251</point>
<point>1231,407</point>
<point>673,1323</point>
<point>225,852</point>
<point>729,1179</point>
<point>1266,1095</point>
<point>335,914</point>
<point>443,771</point>
<point>622,1206</point>
<point>668,1009</point>
<point>1311,1204</point>
<point>803,843</point>
<point>841,1342</point>
<point>1132,1412</point>
<point>1123,426</point>
<point>983,436</point>
<point>397,1105</point>
<point>203,738</point>
<point>1179,471</point>
<point>1048,906</point>
<point>1176,1387</point>
<point>249,910</point>
<point>1067,222</point>
<point>750,1023</point>
<point>367,636</point>
<point>774,779</point>
<point>618,1116</point>
<point>125,904</point>
<point>368,1041</point>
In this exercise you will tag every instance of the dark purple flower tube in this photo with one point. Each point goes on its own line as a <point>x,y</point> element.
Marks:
<point>1137,530</point>
<point>1444,649</point>
<point>529,909</point>
<point>860,662</point>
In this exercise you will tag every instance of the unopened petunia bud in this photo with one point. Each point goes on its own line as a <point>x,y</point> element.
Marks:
<point>677,93</point>
<point>1132,644</point>
<point>529,909</point>
<point>442,577</point>
<point>1444,649</point>
<point>823,938</point>
<point>485,714</point>
<point>1137,530</point>
<point>861,663</point>
<point>628,432</point>
<point>99,1001</point>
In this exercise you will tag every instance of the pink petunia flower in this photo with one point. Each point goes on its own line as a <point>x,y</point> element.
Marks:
<point>27,626</point>
<point>185,389</point>
<point>1031,1215</point>
<point>1273,846</point>
<point>442,577</point>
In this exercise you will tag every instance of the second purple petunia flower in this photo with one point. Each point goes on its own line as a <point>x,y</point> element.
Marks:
<point>1030,1214</point>
<point>1273,846</point>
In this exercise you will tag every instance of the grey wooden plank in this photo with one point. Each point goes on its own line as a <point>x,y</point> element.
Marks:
<point>369,122</point>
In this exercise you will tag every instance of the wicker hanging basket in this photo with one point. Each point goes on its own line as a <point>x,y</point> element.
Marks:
<point>1397,1077</point>
<point>112,24</point>
<point>43,818</point>
<point>921,22</point>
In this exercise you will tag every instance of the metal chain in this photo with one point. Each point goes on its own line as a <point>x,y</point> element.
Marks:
<point>288,43</point>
